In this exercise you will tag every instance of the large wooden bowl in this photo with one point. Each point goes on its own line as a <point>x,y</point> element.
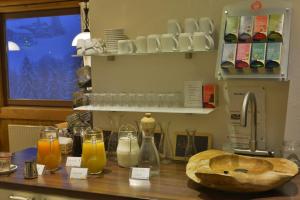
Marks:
<point>230,172</point>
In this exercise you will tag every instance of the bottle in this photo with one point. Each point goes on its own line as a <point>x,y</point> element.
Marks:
<point>149,157</point>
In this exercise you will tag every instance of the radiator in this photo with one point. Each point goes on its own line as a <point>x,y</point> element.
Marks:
<point>22,136</point>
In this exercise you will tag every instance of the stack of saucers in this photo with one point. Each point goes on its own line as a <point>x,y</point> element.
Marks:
<point>112,36</point>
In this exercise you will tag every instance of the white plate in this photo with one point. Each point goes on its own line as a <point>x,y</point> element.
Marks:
<point>12,169</point>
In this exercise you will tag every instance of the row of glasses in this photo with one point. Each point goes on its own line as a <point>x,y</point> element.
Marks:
<point>130,99</point>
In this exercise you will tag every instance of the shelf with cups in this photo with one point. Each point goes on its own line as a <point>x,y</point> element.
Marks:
<point>196,38</point>
<point>178,110</point>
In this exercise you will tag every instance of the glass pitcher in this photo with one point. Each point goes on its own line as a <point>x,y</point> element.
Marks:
<point>165,148</point>
<point>128,148</point>
<point>48,149</point>
<point>149,157</point>
<point>78,133</point>
<point>93,151</point>
<point>190,148</point>
<point>115,122</point>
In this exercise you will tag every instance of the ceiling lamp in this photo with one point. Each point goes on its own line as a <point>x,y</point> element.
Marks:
<point>12,46</point>
<point>86,34</point>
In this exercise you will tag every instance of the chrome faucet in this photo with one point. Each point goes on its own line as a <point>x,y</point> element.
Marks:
<point>250,98</point>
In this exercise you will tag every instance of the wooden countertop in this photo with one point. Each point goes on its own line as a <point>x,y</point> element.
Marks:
<point>172,183</point>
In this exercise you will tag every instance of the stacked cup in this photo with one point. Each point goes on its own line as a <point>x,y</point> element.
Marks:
<point>197,35</point>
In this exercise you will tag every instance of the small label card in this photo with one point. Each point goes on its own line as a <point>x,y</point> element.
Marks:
<point>140,173</point>
<point>193,94</point>
<point>73,161</point>
<point>78,173</point>
<point>40,169</point>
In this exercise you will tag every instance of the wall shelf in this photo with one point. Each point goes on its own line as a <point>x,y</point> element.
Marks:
<point>200,111</point>
<point>111,56</point>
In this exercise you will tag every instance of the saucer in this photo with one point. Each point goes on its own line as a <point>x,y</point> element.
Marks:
<point>11,170</point>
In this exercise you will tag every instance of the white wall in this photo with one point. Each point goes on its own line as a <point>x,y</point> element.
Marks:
<point>167,72</point>
<point>292,131</point>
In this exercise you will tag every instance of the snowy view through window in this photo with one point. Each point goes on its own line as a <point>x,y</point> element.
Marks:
<point>43,68</point>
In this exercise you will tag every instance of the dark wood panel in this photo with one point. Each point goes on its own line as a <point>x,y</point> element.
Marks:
<point>35,113</point>
<point>172,183</point>
<point>30,5</point>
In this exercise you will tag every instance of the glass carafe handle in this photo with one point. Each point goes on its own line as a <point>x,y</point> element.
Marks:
<point>51,143</point>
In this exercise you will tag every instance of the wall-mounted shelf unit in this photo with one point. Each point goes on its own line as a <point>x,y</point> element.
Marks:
<point>199,111</point>
<point>188,54</point>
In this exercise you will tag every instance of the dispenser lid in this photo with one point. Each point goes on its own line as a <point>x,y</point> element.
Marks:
<point>148,122</point>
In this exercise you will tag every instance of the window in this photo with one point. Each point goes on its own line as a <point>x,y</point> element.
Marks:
<point>40,69</point>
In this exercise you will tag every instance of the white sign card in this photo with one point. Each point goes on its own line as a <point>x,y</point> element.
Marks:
<point>40,169</point>
<point>78,173</point>
<point>73,161</point>
<point>193,94</point>
<point>140,173</point>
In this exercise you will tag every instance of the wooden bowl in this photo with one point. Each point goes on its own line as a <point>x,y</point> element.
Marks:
<point>235,173</point>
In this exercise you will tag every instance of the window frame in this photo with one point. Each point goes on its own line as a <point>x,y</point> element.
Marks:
<point>4,59</point>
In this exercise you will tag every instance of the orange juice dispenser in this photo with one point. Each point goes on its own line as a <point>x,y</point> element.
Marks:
<point>93,151</point>
<point>48,149</point>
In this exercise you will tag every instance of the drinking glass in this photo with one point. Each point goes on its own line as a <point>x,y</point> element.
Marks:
<point>123,99</point>
<point>114,99</point>
<point>150,99</point>
<point>178,99</point>
<point>48,149</point>
<point>163,101</point>
<point>92,99</point>
<point>108,99</point>
<point>100,99</point>
<point>291,151</point>
<point>140,99</point>
<point>132,99</point>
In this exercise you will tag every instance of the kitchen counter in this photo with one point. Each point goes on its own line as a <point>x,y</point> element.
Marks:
<point>172,183</point>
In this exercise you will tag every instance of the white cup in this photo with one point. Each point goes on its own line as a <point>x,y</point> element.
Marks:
<point>141,44</point>
<point>206,25</point>
<point>202,41</point>
<point>125,47</point>
<point>153,43</point>
<point>174,27</point>
<point>185,42</point>
<point>168,42</point>
<point>191,25</point>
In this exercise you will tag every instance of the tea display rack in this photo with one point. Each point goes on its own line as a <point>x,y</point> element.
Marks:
<point>254,9</point>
